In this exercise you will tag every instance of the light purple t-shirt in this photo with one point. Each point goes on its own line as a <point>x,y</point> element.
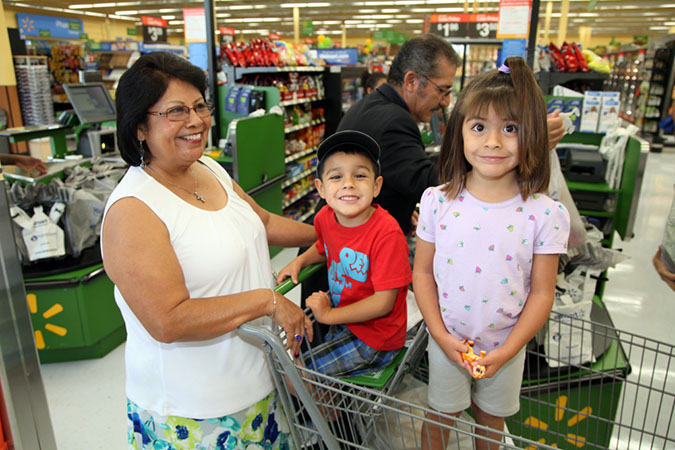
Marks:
<point>484,256</point>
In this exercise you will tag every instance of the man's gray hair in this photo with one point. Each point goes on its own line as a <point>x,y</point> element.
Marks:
<point>421,55</point>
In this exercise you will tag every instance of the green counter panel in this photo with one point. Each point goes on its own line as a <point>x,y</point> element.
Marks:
<point>74,317</point>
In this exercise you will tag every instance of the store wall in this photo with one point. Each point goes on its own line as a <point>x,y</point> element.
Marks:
<point>7,77</point>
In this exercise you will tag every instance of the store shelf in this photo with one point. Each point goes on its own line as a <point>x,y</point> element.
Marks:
<point>297,178</point>
<point>241,71</point>
<point>303,126</point>
<point>298,155</point>
<point>592,187</point>
<point>298,197</point>
<point>585,212</point>
<point>547,80</point>
<point>300,101</point>
<point>307,215</point>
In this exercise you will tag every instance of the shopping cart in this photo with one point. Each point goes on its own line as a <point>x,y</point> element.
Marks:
<point>616,395</point>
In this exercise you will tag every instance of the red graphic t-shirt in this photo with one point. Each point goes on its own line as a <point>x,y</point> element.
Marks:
<point>361,261</point>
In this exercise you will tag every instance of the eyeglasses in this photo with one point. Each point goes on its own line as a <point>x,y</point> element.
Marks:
<point>444,92</point>
<point>181,113</point>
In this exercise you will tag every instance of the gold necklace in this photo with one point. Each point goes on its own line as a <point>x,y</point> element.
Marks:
<point>199,197</point>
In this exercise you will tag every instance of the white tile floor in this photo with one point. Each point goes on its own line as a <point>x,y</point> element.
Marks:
<point>87,400</point>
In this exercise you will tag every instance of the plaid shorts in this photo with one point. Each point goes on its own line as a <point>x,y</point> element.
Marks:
<point>343,354</point>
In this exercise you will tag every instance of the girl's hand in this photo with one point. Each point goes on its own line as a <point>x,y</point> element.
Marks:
<point>493,361</point>
<point>453,349</point>
<point>291,270</point>
<point>294,322</point>
<point>320,304</point>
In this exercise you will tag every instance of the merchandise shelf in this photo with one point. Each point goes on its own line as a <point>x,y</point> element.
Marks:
<point>300,101</point>
<point>296,178</point>
<point>298,155</point>
<point>301,195</point>
<point>303,126</point>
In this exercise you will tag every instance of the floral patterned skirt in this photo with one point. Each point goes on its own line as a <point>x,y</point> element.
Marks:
<point>261,426</point>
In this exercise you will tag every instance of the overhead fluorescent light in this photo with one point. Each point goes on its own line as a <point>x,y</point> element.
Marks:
<point>390,10</point>
<point>394,21</point>
<point>414,21</point>
<point>170,17</point>
<point>223,15</point>
<point>446,10</point>
<point>176,22</point>
<point>80,6</point>
<point>126,13</point>
<point>659,28</point>
<point>305,5</point>
<point>368,11</point>
<point>423,10</point>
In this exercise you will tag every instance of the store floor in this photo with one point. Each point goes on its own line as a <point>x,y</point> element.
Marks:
<point>87,400</point>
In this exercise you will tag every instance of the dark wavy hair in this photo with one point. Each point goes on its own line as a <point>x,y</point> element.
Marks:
<point>421,55</point>
<point>142,86</point>
<point>516,96</point>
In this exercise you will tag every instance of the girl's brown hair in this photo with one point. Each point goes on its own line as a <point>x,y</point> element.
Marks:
<point>516,96</point>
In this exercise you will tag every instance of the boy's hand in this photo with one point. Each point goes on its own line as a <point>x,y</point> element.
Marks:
<point>453,349</point>
<point>320,304</point>
<point>493,361</point>
<point>291,270</point>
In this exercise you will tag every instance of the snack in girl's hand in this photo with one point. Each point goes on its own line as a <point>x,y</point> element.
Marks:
<point>470,356</point>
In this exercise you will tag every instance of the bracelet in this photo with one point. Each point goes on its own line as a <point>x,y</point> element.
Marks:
<point>274,310</point>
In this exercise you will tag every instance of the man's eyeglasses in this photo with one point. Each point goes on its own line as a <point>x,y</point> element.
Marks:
<point>444,92</point>
<point>181,113</point>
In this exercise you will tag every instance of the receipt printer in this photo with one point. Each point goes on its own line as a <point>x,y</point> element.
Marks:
<point>587,166</point>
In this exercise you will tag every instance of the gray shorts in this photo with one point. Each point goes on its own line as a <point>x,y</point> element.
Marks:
<point>451,388</point>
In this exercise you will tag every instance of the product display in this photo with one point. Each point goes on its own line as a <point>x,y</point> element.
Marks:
<point>32,76</point>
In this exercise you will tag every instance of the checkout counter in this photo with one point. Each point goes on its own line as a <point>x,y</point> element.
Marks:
<point>70,300</point>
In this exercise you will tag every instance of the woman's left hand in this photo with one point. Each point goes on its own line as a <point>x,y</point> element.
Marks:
<point>493,361</point>
<point>294,322</point>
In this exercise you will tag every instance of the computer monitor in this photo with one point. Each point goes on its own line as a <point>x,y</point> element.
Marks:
<point>91,101</point>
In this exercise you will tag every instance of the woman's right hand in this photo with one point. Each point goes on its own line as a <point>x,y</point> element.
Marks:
<point>294,321</point>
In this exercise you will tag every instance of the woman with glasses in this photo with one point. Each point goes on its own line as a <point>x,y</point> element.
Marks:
<point>187,250</point>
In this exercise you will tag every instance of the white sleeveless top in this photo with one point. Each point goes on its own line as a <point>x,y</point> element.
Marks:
<point>220,252</point>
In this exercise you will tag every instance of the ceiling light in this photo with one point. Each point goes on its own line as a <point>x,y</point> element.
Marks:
<point>376,3</point>
<point>368,11</point>
<point>414,21</point>
<point>176,22</point>
<point>169,17</point>
<point>305,5</point>
<point>422,10</point>
<point>255,32</point>
<point>659,28</point>
<point>80,6</point>
<point>390,10</point>
<point>223,15</point>
<point>409,2</point>
<point>394,21</point>
<point>126,13</point>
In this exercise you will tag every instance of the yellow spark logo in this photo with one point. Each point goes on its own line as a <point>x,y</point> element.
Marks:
<point>51,312</point>
<point>560,404</point>
<point>27,24</point>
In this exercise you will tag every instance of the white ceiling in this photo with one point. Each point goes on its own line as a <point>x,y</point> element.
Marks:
<point>609,17</point>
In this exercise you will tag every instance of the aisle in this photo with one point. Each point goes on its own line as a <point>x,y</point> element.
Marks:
<point>87,400</point>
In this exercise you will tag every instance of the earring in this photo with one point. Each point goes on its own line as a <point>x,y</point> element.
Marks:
<point>141,151</point>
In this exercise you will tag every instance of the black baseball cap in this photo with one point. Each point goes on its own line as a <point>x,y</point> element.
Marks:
<point>349,141</point>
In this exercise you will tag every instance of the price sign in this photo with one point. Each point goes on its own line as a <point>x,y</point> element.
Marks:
<point>474,26</point>
<point>154,29</point>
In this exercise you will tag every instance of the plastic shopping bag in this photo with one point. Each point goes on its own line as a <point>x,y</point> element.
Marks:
<point>41,235</point>
<point>567,340</point>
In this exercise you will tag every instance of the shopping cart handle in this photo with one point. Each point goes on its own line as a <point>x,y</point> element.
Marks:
<point>288,284</point>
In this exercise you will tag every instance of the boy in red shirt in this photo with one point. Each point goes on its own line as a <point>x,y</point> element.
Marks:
<point>367,257</point>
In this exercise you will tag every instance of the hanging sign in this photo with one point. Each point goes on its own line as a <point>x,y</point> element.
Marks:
<point>274,36</point>
<point>48,26</point>
<point>194,24</point>
<point>154,29</point>
<point>472,26</point>
<point>336,56</point>
<point>514,19</point>
<point>227,34</point>
<point>307,28</point>
<point>132,31</point>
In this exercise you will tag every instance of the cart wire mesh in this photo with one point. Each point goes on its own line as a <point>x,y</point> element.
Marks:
<point>586,385</point>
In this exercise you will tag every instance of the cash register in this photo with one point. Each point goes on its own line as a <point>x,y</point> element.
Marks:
<point>93,106</point>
